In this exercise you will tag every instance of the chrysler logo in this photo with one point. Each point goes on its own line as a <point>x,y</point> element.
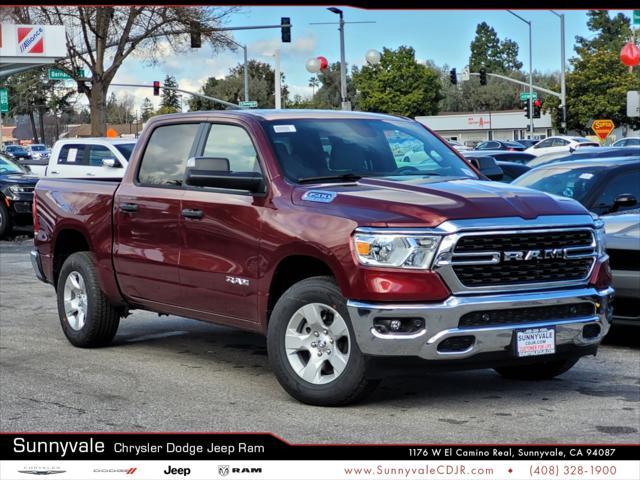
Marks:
<point>41,472</point>
<point>527,255</point>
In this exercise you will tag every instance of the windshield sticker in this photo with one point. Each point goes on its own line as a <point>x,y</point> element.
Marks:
<point>284,128</point>
<point>71,156</point>
<point>586,176</point>
<point>319,196</point>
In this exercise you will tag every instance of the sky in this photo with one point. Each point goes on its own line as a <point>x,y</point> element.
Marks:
<point>443,36</point>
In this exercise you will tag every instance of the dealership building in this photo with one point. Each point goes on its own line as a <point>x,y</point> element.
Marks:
<point>478,127</point>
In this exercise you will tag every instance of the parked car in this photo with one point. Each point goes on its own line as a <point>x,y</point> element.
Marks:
<point>528,142</point>
<point>560,144</point>
<point>509,145</point>
<point>90,157</point>
<point>623,246</point>
<point>349,261</point>
<point>502,155</point>
<point>17,152</point>
<point>38,151</point>
<point>627,142</point>
<point>458,146</point>
<point>603,185</point>
<point>16,196</point>
<point>583,154</point>
<point>504,172</point>
<point>512,170</point>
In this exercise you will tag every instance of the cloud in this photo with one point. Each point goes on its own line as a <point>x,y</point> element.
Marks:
<point>300,47</point>
<point>304,91</point>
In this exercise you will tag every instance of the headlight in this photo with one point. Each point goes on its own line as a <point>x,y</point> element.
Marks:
<point>394,250</point>
<point>601,238</point>
<point>18,189</point>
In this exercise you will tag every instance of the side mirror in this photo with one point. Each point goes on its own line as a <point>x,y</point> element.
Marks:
<point>488,167</point>
<point>111,163</point>
<point>624,200</point>
<point>215,173</point>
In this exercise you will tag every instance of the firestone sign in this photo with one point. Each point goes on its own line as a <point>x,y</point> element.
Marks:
<point>30,40</point>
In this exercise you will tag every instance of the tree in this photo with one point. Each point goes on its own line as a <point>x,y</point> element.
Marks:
<point>398,85</point>
<point>146,110</point>
<point>611,32</point>
<point>329,94</point>
<point>169,102</point>
<point>231,88</point>
<point>101,38</point>
<point>314,83</point>
<point>120,109</point>
<point>496,56</point>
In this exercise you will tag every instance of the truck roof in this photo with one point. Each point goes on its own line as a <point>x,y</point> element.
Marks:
<point>287,114</point>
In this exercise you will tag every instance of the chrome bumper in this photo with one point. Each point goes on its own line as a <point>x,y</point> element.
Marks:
<point>441,322</point>
<point>37,266</point>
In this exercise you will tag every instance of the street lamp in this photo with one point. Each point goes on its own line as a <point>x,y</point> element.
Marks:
<point>245,70</point>
<point>528,22</point>
<point>346,105</point>
<point>563,87</point>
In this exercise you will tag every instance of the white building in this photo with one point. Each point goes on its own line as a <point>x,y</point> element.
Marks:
<point>477,127</point>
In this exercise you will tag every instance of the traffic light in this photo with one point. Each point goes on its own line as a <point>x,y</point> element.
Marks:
<point>483,76</point>
<point>537,104</point>
<point>196,35</point>
<point>527,112</point>
<point>453,76</point>
<point>156,88</point>
<point>285,28</point>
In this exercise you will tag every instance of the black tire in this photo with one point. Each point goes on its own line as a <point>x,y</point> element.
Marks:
<point>352,384</point>
<point>101,319</point>
<point>538,371</point>
<point>6,226</point>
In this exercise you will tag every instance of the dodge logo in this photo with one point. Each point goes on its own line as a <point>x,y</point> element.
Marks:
<point>528,255</point>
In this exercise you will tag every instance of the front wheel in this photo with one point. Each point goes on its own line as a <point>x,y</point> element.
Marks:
<point>312,347</point>
<point>86,316</point>
<point>538,371</point>
<point>5,220</point>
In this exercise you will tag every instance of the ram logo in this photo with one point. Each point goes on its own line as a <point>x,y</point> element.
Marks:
<point>528,255</point>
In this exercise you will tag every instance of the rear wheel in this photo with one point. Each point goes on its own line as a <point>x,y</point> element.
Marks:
<point>86,316</point>
<point>538,371</point>
<point>312,346</point>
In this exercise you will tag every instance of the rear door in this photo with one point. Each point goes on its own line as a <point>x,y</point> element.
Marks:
<point>71,161</point>
<point>221,231</point>
<point>147,218</point>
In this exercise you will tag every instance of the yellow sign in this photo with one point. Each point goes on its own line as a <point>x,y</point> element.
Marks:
<point>602,128</point>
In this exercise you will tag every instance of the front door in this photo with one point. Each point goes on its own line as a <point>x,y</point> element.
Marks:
<point>220,233</point>
<point>147,218</point>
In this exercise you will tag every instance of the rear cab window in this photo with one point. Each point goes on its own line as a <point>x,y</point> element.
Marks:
<point>72,154</point>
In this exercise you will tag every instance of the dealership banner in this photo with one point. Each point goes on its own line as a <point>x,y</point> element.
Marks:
<point>208,456</point>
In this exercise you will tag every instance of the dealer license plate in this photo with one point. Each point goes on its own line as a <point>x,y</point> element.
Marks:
<point>535,341</point>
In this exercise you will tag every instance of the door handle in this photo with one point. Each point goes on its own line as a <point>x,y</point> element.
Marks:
<point>55,171</point>
<point>89,174</point>
<point>192,213</point>
<point>128,207</point>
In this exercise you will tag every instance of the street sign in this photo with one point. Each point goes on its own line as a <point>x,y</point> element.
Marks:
<point>250,104</point>
<point>602,128</point>
<point>636,17</point>
<point>633,103</point>
<point>525,96</point>
<point>57,74</point>
<point>4,100</point>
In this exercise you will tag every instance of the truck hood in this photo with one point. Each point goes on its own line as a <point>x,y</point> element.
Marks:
<point>406,201</point>
<point>19,179</point>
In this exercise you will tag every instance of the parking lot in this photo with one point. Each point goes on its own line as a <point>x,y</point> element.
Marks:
<point>174,374</point>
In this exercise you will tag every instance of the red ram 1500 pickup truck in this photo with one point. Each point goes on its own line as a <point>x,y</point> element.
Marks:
<point>354,241</point>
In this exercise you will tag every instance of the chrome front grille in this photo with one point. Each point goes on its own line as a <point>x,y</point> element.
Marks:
<point>501,260</point>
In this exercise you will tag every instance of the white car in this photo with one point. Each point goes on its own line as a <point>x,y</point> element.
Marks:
<point>560,144</point>
<point>90,157</point>
<point>627,142</point>
<point>458,146</point>
<point>38,151</point>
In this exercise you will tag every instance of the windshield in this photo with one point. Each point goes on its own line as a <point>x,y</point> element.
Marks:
<point>351,148</point>
<point>9,167</point>
<point>38,148</point>
<point>125,149</point>
<point>565,181</point>
<point>15,149</point>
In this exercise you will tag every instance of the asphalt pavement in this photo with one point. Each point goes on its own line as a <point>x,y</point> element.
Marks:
<point>175,374</point>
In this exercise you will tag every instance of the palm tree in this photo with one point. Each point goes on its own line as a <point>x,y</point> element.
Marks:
<point>313,83</point>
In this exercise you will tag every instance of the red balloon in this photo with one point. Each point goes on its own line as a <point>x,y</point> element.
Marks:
<point>324,63</point>
<point>630,55</point>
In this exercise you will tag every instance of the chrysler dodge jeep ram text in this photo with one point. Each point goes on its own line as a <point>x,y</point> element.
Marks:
<point>308,227</point>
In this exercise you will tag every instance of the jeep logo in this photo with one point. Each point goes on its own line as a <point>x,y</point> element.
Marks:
<point>520,256</point>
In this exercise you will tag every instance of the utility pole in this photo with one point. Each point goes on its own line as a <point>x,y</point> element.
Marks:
<point>528,22</point>
<point>245,70</point>
<point>277,81</point>
<point>345,103</point>
<point>563,86</point>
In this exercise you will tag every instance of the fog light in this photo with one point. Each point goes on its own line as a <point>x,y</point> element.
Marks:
<point>591,331</point>
<point>397,326</point>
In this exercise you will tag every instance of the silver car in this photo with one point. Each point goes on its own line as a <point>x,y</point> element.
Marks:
<point>623,246</point>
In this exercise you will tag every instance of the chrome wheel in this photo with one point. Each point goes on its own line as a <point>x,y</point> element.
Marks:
<point>75,300</point>
<point>317,343</point>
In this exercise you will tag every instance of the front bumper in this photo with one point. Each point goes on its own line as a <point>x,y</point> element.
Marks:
<point>441,321</point>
